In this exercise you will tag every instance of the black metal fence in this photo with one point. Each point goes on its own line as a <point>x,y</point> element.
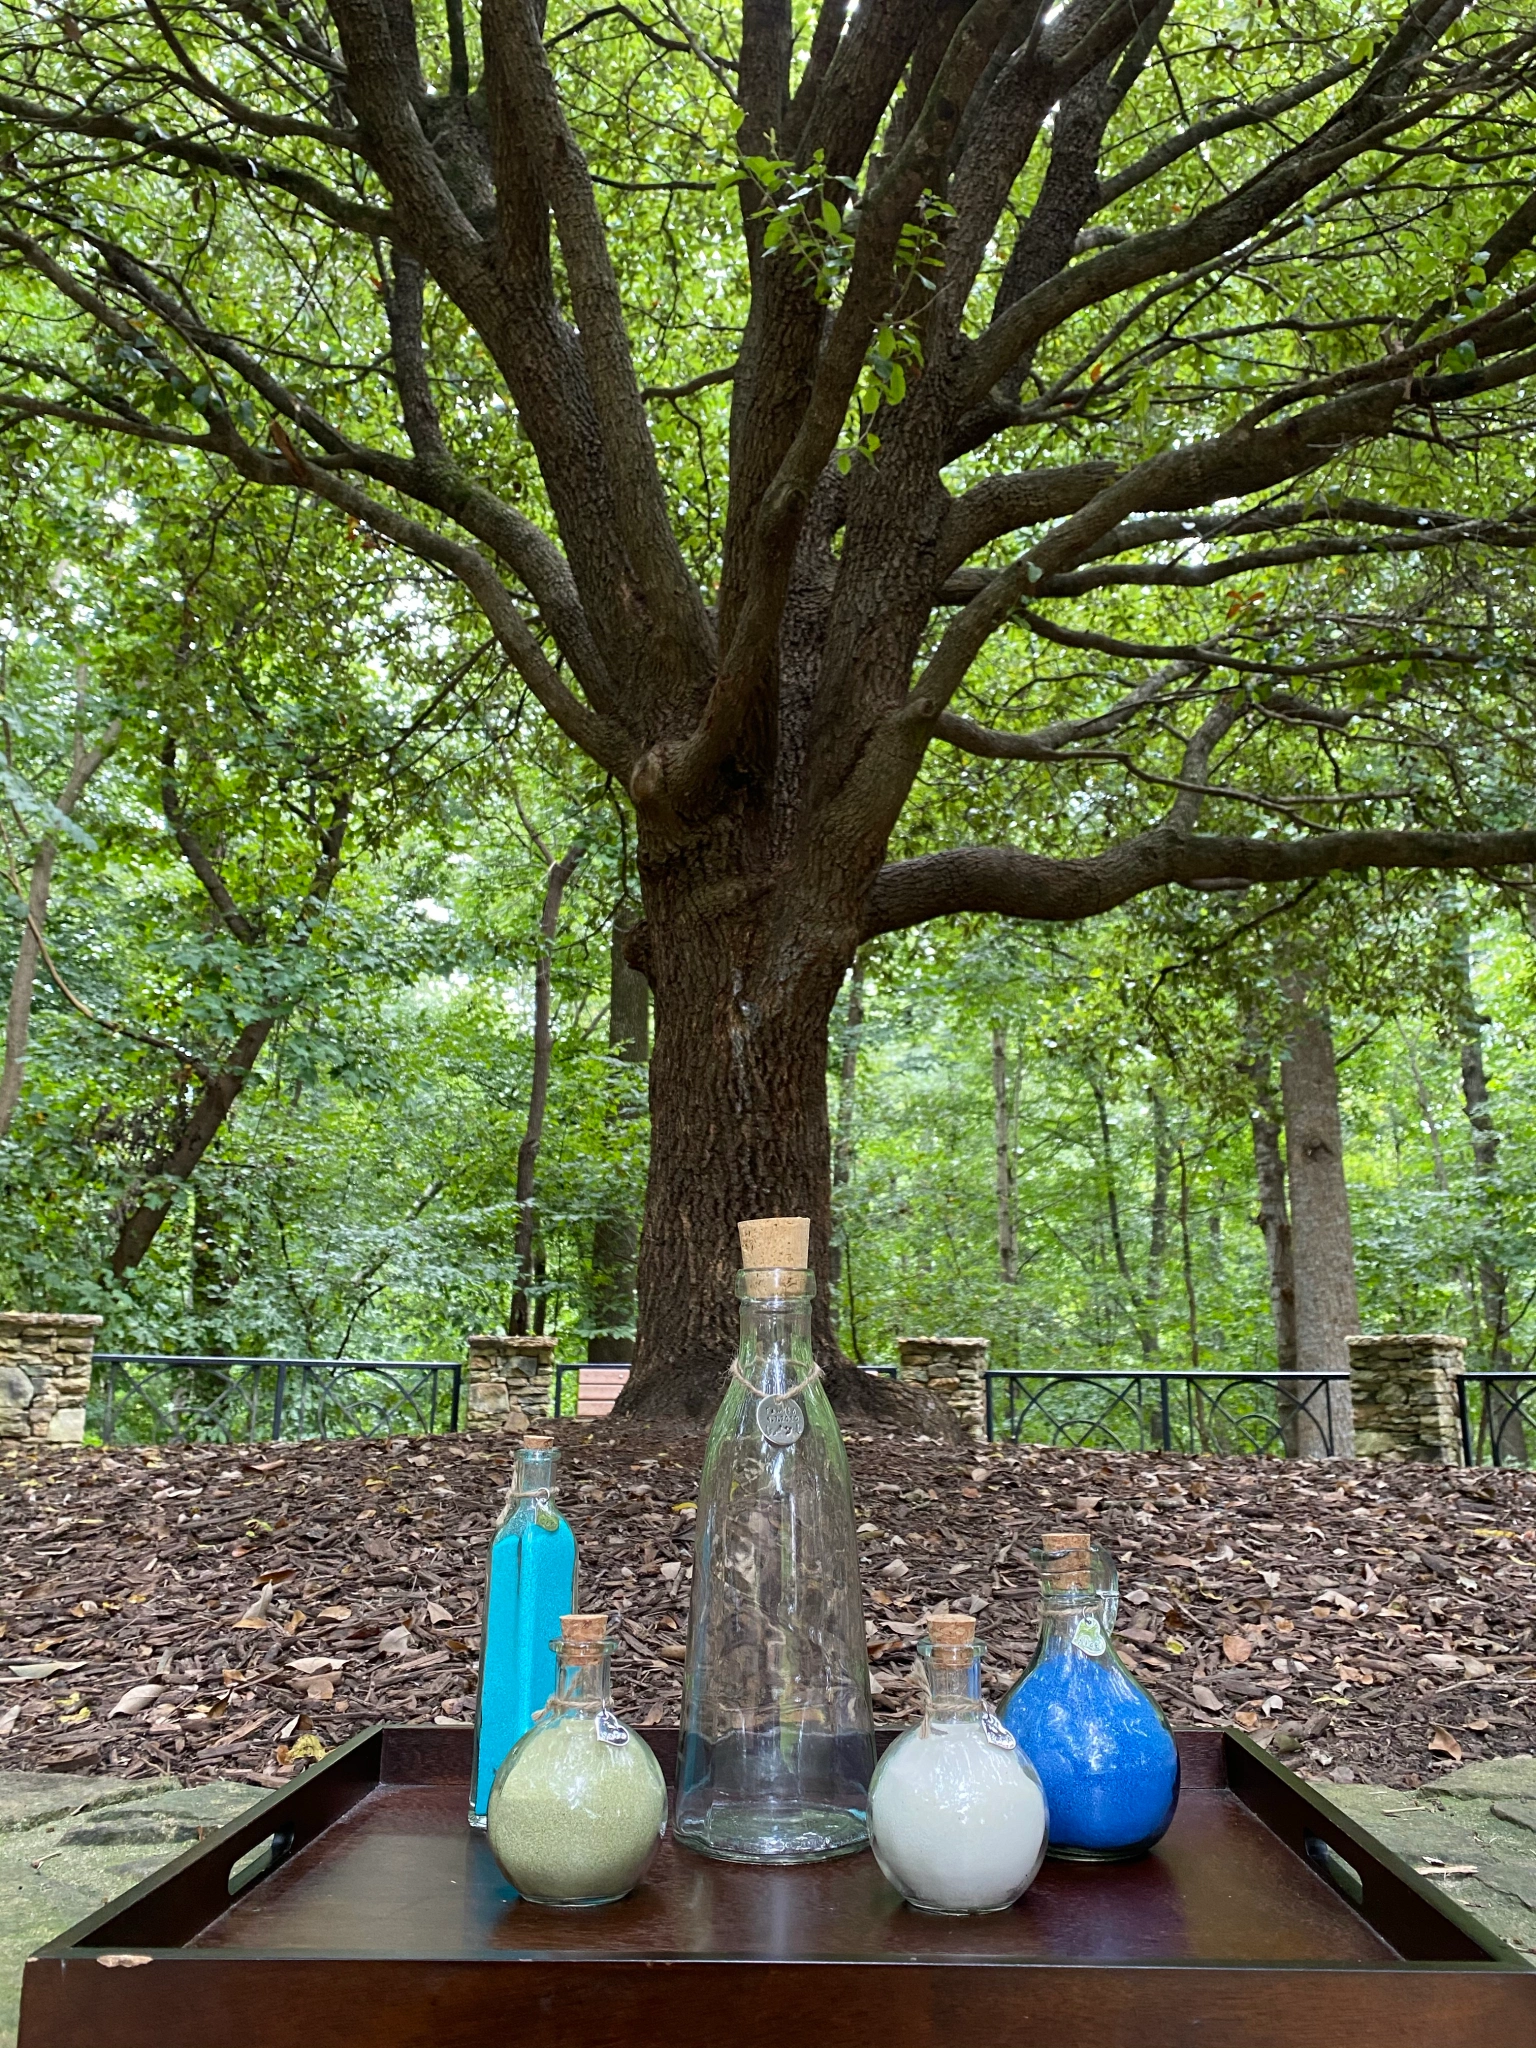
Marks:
<point>1271,1414</point>
<point>145,1397</point>
<point>1498,1417</point>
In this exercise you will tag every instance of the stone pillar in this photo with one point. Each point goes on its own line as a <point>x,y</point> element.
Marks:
<point>507,1381</point>
<point>1403,1393</point>
<point>950,1367</point>
<point>45,1375</point>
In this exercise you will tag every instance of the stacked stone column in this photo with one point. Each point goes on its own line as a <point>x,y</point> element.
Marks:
<point>45,1375</point>
<point>952,1368</point>
<point>507,1382</point>
<point>1404,1395</point>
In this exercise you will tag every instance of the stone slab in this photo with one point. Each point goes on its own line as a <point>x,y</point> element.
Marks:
<point>30,1799</point>
<point>1503,1777</point>
<point>68,1844</point>
<point>1461,1819</point>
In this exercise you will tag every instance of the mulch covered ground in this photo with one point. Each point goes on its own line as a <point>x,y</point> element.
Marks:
<point>221,1611</point>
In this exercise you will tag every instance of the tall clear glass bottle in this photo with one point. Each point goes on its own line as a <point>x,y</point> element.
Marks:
<point>530,1584</point>
<point>777,1743</point>
<point>1109,1766</point>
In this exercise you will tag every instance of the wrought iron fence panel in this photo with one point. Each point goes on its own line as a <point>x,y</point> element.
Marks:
<point>145,1397</point>
<point>1222,1414</point>
<point>1497,1411</point>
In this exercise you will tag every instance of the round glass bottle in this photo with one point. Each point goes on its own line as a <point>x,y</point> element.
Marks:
<point>1108,1763</point>
<point>579,1807</point>
<point>957,1816</point>
<point>777,1738</point>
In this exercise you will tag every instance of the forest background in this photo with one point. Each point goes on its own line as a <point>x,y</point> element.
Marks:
<point>1045,1136</point>
<point>301,879</point>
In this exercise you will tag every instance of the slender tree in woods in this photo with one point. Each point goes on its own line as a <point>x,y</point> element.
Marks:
<point>1327,1309</point>
<point>615,1238</point>
<point>844,1141</point>
<point>557,875</point>
<point>1070,409</point>
<point>31,881</point>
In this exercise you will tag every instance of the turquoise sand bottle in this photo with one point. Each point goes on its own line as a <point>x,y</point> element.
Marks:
<point>1103,1751</point>
<point>530,1583</point>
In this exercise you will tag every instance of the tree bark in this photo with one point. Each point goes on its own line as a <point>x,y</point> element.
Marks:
<point>1002,1140</point>
<point>744,981</point>
<point>29,951</point>
<point>1327,1307</point>
<point>616,1236</point>
<point>560,872</point>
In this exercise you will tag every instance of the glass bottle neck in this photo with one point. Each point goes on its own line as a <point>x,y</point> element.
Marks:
<point>775,1350</point>
<point>536,1475</point>
<point>1072,1620</point>
<point>954,1688</point>
<point>583,1681</point>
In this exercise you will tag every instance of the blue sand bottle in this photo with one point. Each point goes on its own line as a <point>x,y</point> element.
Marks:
<point>530,1584</point>
<point>1103,1751</point>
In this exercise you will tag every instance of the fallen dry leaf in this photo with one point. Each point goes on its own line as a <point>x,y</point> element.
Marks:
<point>136,1699</point>
<point>1445,1744</point>
<point>1236,1649</point>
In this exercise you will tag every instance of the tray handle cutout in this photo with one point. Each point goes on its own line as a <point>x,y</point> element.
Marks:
<point>261,1861</point>
<point>1329,1864</point>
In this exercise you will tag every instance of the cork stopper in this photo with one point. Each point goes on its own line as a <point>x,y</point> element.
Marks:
<point>538,1443</point>
<point>771,1244</point>
<point>582,1637</point>
<point>1067,1553</point>
<point>952,1636</point>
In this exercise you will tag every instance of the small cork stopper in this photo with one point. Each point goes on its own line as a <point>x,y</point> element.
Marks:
<point>584,1633</point>
<point>769,1241</point>
<point>538,1443</point>
<point>1067,1552</point>
<point>952,1636</point>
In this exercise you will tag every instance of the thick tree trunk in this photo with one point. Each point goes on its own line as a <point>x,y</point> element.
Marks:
<point>1327,1307</point>
<point>616,1236</point>
<point>744,981</point>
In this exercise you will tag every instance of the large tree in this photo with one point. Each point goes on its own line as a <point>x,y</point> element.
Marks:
<point>778,379</point>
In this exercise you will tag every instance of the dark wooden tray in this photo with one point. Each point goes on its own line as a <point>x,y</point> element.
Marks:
<point>370,1917</point>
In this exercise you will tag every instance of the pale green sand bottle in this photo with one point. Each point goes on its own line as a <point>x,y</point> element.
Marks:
<point>579,1808</point>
